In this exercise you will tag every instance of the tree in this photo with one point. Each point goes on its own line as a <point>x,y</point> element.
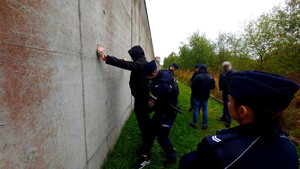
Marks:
<point>168,61</point>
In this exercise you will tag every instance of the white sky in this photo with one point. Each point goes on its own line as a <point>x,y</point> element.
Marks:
<point>173,21</point>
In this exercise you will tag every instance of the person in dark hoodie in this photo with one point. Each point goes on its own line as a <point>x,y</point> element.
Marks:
<point>201,86</point>
<point>256,102</point>
<point>195,73</point>
<point>138,83</point>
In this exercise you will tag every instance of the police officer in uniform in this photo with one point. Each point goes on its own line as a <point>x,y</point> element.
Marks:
<point>138,84</point>
<point>173,68</point>
<point>256,102</point>
<point>164,94</point>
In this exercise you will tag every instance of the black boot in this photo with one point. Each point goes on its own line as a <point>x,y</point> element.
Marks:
<point>221,119</point>
<point>204,127</point>
<point>193,125</point>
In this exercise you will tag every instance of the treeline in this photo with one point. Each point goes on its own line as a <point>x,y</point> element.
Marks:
<point>270,43</point>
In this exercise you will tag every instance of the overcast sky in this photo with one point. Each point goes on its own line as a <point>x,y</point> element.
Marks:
<point>172,21</point>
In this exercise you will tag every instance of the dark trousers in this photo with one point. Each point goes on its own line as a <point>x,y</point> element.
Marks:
<point>226,114</point>
<point>142,111</point>
<point>144,121</point>
<point>161,126</point>
<point>192,103</point>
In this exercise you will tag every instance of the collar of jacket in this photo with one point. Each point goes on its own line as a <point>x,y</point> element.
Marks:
<point>254,129</point>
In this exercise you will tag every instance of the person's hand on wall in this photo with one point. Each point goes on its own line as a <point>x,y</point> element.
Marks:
<point>124,58</point>
<point>100,52</point>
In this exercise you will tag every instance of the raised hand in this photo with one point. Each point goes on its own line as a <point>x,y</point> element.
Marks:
<point>100,51</point>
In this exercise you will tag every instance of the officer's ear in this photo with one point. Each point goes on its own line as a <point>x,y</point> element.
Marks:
<point>245,114</point>
<point>242,111</point>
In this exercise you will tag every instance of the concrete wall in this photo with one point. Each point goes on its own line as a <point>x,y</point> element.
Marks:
<point>59,106</point>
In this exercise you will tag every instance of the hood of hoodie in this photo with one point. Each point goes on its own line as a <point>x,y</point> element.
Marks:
<point>137,53</point>
<point>203,69</point>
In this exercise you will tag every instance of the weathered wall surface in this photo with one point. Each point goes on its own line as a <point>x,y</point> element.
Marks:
<point>59,106</point>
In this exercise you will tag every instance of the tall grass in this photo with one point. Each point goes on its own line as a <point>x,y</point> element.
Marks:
<point>290,116</point>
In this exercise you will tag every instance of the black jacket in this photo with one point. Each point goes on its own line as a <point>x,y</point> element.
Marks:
<point>224,80</point>
<point>138,82</point>
<point>202,84</point>
<point>194,74</point>
<point>244,147</point>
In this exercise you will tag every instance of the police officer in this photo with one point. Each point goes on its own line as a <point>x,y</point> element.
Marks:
<point>164,93</point>
<point>173,68</point>
<point>138,84</point>
<point>194,74</point>
<point>256,102</point>
<point>224,87</point>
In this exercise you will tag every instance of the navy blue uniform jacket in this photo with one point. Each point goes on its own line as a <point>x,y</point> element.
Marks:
<point>244,147</point>
<point>163,92</point>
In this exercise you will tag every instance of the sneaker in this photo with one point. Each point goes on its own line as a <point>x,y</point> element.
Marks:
<point>221,119</point>
<point>193,125</point>
<point>227,124</point>
<point>204,127</point>
<point>141,163</point>
<point>169,161</point>
<point>191,109</point>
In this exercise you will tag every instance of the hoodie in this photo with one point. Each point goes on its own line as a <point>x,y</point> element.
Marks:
<point>138,82</point>
<point>202,84</point>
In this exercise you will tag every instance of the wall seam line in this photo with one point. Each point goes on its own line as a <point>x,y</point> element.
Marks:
<point>82,82</point>
<point>36,48</point>
<point>125,7</point>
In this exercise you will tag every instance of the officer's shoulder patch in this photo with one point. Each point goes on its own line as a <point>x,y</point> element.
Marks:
<point>217,139</point>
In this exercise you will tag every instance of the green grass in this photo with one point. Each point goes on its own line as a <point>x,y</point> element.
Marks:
<point>183,137</point>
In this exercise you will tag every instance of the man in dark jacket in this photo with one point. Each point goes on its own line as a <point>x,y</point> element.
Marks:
<point>256,102</point>
<point>224,87</point>
<point>138,83</point>
<point>195,73</point>
<point>201,86</point>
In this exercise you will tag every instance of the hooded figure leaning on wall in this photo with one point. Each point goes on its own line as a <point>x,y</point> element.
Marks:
<point>138,83</point>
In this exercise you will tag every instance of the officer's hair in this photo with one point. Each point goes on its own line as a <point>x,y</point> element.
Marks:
<point>261,115</point>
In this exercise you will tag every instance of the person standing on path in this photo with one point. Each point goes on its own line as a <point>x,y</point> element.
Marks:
<point>224,87</point>
<point>201,86</point>
<point>195,73</point>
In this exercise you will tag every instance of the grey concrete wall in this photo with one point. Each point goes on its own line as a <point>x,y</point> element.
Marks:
<point>59,106</point>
